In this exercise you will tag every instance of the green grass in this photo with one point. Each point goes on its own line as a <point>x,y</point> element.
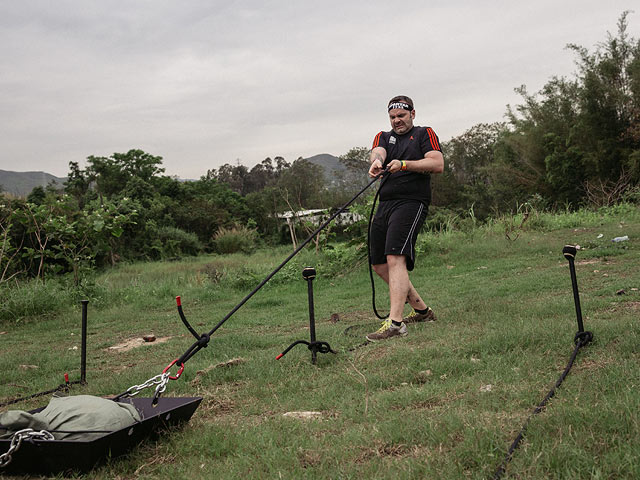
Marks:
<point>416,407</point>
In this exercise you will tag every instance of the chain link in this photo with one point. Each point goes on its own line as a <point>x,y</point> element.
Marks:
<point>16,441</point>
<point>160,380</point>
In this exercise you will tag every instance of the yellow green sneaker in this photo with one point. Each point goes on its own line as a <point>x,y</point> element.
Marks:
<point>388,330</point>
<point>416,317</point>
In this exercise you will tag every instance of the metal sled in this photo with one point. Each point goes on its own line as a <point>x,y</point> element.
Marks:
<point>55,456</point>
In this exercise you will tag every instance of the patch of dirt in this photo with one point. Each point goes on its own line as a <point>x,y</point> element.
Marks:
<point>624,306</point>
<point>121,368</point>
<point>308,458</point>
<point>29,367</point>
<point>135,343</point>
<point>228,363</point>
<point>593,364</point>
<point>390,450</point>
<point>303,415</point>
<point>429,403</point>
<point>633,306</point>
<point>375,351</point>
<point>221,401</point>
<point>218,406</point>
<point>358,316</point>
<point>588,262</point>
<point>153,462</point>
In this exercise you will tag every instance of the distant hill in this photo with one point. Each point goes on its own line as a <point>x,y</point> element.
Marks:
<point>333,168</point>
<point>330,163</point>
<point>20,184</point>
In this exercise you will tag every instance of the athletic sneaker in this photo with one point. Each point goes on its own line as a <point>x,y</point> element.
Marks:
<point>388,330</point>
<point>416,317</point>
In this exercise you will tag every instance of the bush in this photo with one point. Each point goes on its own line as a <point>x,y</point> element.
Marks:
<point>340,258</point>
<point>176,242</point>
<point>235,239</point>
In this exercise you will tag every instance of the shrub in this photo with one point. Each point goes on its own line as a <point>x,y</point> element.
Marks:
<point>176,242</point>
<point>235,239</point>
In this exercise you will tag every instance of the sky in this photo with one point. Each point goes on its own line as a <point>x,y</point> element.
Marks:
<point>202,83</point>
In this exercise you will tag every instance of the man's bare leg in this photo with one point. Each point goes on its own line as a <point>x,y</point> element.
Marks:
<point>413,296</point>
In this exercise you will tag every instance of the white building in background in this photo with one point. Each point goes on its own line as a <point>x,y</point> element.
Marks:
<point>315,217</point>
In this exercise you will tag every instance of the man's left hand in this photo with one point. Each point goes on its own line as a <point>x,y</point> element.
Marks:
<point>394,166</point>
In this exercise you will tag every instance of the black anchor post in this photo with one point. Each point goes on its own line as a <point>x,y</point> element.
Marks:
<point>83,352</point>
<point>569,252</point>
<point>309,273</point>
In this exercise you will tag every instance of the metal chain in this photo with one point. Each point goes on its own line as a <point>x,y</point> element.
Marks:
<point>160,380</point>
<point>27,433</point>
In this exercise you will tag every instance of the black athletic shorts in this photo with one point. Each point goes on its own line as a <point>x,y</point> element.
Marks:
<point>395,228</point>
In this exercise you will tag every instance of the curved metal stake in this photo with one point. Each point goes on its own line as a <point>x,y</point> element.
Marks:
<point>184,319</point>
<point>309,273</point>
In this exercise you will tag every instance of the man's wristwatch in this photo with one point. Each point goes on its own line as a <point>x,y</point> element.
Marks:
<point>404,166</point>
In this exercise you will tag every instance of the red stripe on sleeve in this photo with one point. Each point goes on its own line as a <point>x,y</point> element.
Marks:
<point>376,141</point>
<point>433,139</point>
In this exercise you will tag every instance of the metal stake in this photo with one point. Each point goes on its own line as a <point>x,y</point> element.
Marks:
<point>569,252</point>
<point>309,273</point>
<point>83,355</point>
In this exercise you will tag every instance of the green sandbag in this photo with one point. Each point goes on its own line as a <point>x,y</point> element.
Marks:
<point>73,418</point>
<point>15,420</point>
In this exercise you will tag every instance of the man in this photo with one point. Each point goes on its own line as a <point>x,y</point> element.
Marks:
<point>411,154</point>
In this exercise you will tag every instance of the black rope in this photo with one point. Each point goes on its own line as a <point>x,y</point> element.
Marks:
<point>320,347</point>
<point>204,339</point>
<point>59,388</point>
<point>373,285</point>
<point>581,339</point>
<point>347,331</point>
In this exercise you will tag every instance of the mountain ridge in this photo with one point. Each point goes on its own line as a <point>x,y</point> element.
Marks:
<point>20,184</point>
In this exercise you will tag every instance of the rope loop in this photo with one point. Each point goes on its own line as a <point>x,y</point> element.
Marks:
<point>320,347</point>
<point>203,342</point>
<point>583,338</point>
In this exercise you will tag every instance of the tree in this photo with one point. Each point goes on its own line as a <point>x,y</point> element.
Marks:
<point>111,174</point>
<point>356,162</point>
<point>576,131</point>
<point>37,195</point>
<point>260,176</point>
<point>10,247</point>
<point>234,176</point>
<point>610,102</point>
<point>302,185</point>
<point>77,183</point>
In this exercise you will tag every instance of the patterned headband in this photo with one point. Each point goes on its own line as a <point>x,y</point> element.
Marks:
<point>402,105</point>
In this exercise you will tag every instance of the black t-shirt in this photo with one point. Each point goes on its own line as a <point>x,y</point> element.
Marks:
<point>413,145</point>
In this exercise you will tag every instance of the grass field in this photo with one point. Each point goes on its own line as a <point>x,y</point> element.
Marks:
<point>444,402</point>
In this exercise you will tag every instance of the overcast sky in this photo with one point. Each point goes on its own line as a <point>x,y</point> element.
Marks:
<point>206,82</point>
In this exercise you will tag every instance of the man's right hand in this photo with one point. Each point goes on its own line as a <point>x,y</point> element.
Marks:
<point>376,168</point>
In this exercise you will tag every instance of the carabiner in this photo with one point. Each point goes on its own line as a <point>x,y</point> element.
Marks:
<point>180,370</point>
